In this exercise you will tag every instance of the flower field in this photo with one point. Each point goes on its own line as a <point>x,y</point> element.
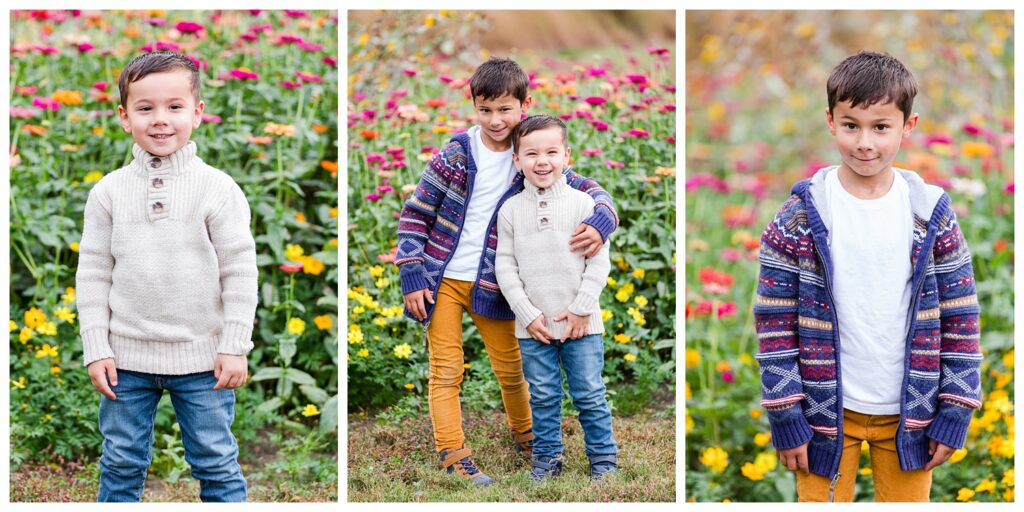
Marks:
<point>409,94</point>
<point>270,85</point>
<point>755,125</point>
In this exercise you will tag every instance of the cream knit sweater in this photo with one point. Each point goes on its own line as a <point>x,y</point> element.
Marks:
<point>536,269</point>
<point>167,266</point>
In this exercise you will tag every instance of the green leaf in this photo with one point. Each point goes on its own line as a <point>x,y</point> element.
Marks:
<point>269,373</point>
<point>298,377</point>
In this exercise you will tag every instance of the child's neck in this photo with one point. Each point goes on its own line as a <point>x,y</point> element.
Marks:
<point>866,187</point>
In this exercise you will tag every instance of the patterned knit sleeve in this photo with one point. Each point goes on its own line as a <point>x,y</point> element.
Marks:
<point>776,315</point>
<point>93,278</point>
<point>959,350</point>
<point>604,219</point>
<point>236,257</point>
<point>506,269</point>
<point>418,216</point>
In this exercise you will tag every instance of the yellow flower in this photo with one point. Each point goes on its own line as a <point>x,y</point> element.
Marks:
<point>1008,495</point>
<point>964,494</point>
<point>34,317</point>
<point>692,358</point>
<point>20,384</point>
<point>311,265</point>
<point>358,310</point>
<point>55,370</point>
<point>300,217</point>
<point>639,273</point>
<point>638,317</point>
<point>69,295</point>
<point>296,326</point>
<point>762,438</point>
<point>640,300</point>
<point>752,472</point>
<point>376,271</point>
<point>622,338</point>
<point>355,334</point>
<point>14,326</point>
<point>380,321</point>
<point>986,485</point>
<point>715,458</point>
<point>621,296</point>
<point>382,283</point>
<point>46,351</point>
<point>48,329</point>
<point>25,335</point>
<point>958,455</point>
<point>865,471</point>
<point>403,351</point>
<point>689,422</point>
<point>689,392</point>
<point>629,357</point>
<point>74,246</point>
<point>429,21</point>
<point>65,314</point>
<point>723,366</point>
<point>334,212</point>
<point>293,252</point>
<point>323,322</point>
<point>612,282</point>
<point>93,177</point>
<point>756,413</point>
<point>1008,359</point>
<point>410,386</point>
<point>363,353</point>
<point>310,410</point>
<point>606,315</point>
<point>1007,477</point>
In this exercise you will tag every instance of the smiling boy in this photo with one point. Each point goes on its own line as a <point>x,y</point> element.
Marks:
<point>447,238</point>
<point>866,311</point>
<point>166,287</point>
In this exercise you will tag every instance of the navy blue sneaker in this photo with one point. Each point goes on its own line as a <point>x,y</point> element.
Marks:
<point>601,465</point>
<point>457,462</point>
<point>546,467</point>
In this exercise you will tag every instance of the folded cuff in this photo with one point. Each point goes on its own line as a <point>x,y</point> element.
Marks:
<point>585,304</point>
<point>235,339</point>
<point>412,277</point>
<point>96,345</point>
<point>525,312</point>
<point>950,425</point>
<point>789,428</point>
<point>603,221</point>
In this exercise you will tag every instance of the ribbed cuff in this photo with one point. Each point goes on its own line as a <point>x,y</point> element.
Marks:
<point>603,221</point>
<point>412,278</point>
<point>585,304</point>
<point>789,428</point>
<point>950,425</point>
<point>235,339</point>
<point>525,312</point>
<point>96,345</point>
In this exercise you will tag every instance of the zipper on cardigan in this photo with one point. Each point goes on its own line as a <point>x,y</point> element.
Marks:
<point>832,487</point>
<point>839,392</point>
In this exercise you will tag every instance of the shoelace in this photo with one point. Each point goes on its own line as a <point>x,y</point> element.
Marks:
<point>468,465</point>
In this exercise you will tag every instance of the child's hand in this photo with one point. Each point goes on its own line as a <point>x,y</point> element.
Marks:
<point>577,327</point>
<point>99,372</point>
<point>795,458</point>
<point>538,330</point>
<point>230,371</point>
<point>414,303</point>
<point>586,237</point>
<point>940,453</point>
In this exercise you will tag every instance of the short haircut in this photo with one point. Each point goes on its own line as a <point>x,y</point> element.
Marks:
<point>498,77</point>
<point>534,123</point>
<point>870,77</point>
<point>156,62</point>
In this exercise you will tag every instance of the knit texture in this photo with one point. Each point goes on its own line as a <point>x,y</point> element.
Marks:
<point>798,335</point>
<point>167,266</point>
<point>536,268</point>
<point>432,218</point>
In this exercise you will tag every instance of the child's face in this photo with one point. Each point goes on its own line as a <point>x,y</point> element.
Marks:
<point>161,112</point>
<point>542,156</point>
<point>869,138</point>
<point>497,117</point>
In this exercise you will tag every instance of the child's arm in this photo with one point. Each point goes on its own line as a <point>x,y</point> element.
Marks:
<point>506,269</point>
<point>92,288</point>
<point>236,257</point>
<point>959,351</point>
<point>776,311</point>
<point>601,223</point>
<point>417,219</point>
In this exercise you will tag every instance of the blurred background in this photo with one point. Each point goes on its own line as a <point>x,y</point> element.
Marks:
<point>755,124</point>
<point>611,76</point>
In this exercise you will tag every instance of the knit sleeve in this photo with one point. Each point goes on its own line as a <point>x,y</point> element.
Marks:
<point>418,216</point>
<point>959,350</point>
<point>507,271</point>
<point>604,219</point>
<point>776,315</point>
<point>595,277</point>
<point>93,278</point>
<point>236,257</point>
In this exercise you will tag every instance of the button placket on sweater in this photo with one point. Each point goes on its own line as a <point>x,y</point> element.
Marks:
<point>545,210</point>
<point>157,182</point>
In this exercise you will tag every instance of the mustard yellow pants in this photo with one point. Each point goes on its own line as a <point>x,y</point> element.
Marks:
<point>891,484</point>
<point>444,336</point>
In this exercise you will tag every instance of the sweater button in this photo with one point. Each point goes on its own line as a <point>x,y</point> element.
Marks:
<point>157,183</point>
<point>540,191</point>
<point>543,204</point>
<point>154,163</point>
<point>158,207</point>
<point>543,220</point>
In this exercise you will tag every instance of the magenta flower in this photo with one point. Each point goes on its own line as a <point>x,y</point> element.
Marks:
<point>201,64</point>
<point>244,74</point>
<point>84,47</point>
<point>596,71</point>
<point>210,118</point>
<point>188,27</point>
<point>26,90</point>
<point>614,164</point>
<point>296,14</point>
<point>373,197</point>
<point>384,189</point>
<point>161,46</point>
<point>595,100</point>
<point>971,129</point>
<point>249,37</point>
<point>668,107</point>
<point>255,12</point>
<point>565,117</point>
<point>669,88</point>
<point>584,114</point>
<point>288,38</point>
<point>636,132</point>
<point>45,103</point>
<point>409,72</point>
<point>657,51</point>
<point>600,126</point>
<point>375,159</point>
<point>1008,188</point>
<point>295,267</point>
<point>288,84</point>
<point>730,254</point>
<point>369,114</point>
<point>396,152</point>
<point>331,61</point>
<point>938,138</point>
<point>445,78</point>
<point>310,47</point>
<point>428,149</point>
<point>156,22</point>
<point>308,77</point>
<point>592,152</point>
<point>711,181</point>
<point>100,86</point>
<point>726,375</point>
<point>637,79</point>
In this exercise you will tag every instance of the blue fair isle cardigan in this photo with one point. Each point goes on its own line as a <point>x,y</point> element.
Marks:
<point>432,218</point>
<point>797,329</point>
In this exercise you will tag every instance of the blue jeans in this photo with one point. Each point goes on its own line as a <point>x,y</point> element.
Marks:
<point>205,417</point>
<point>583,361</point>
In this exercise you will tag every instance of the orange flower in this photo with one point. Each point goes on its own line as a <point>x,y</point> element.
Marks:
<point>259,140</point>
<point>369,134</point>
<point>33,129</point>
<point>68,97</point>
<point>319,128</point>
<point>331,167</point>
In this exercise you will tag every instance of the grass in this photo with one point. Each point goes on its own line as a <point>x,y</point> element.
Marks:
<point>397,463</point>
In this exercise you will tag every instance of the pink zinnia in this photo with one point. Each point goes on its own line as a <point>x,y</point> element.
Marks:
<point>409,72</point>
<point>46,103</point>
<point>331,61</point>
<point>636,132</point>
<point>23,113</point>
<point>201,64</point>
<point>369,114</point>
<point>47,50</point>
<point>730,254</point>
<point>188,27</point>
<point>249,37</point>
<point>613,163</point>
<point>596,100</point>
<point>295,267</point>
<point>296,14</point>
<point>156,22</point>
<point>445,78</point>
<point>373,197</point>
<point>596,71</point>
<point>1008,188</point>
<point>308,77</point>
<point>100,86</point>
<point>591,152</point>
<point>396,152</point>
<point>84,47</point>
<point>565,117</point>
<point>375,159</point>
<point>310,47</point>
<point>657,51</point>
<point>26,90</point>
<point>288,38</point>
<point>384,189</point>
<point>244,74</point>
<point>600,126</point>
<point>637,79</point>
<point>726,375</point>
<point>210,118</point>
<point>288,84</point>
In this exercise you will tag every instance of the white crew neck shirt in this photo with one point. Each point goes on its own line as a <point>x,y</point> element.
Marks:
<point>871,241</point>
<point>494,173</point>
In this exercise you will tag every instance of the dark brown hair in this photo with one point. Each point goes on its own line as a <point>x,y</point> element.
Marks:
<point>156,62</point>
<point>534,123</point>
<point>498,77</point>
<point>869,78</point>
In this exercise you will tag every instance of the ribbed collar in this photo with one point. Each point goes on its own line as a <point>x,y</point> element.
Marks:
<point>173,164</point>
<point>556,190</point>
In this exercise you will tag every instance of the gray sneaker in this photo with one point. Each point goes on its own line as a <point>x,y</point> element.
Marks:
<point>546,467</point>
<point>457,462</point>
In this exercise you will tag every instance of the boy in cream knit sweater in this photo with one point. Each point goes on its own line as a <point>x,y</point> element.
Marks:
<point>554,294</point>
<point>166,286</point>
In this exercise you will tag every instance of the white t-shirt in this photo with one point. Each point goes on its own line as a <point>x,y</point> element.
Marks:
<point>871,241</point>
<point>494,173</point>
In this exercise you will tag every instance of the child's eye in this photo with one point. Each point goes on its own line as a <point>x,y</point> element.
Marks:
<point>175,107</point>
<point>881,127</point>
<point>849,126</point>
<point>145,109</point>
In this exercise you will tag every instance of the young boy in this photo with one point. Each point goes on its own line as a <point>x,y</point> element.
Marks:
<point>542,279</point>
<point>447,236</point>
<point>866,310</point>
<point>166,288</point>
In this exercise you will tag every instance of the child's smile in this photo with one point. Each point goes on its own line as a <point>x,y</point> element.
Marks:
<point>161,112</point>
<point>542,156</point>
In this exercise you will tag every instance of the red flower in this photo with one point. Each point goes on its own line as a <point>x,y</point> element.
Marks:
<point>295,267</point>
<point>436,102</point>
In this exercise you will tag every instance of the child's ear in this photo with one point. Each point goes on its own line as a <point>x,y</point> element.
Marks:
<point>830,121</point>
<point>909,125</point>
<point>515,160</point>
<point>197,116</point>
<point>123,114</point>
<point>527,102</point>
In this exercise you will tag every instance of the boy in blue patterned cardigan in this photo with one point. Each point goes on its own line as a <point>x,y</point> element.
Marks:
<point>866,312</point>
